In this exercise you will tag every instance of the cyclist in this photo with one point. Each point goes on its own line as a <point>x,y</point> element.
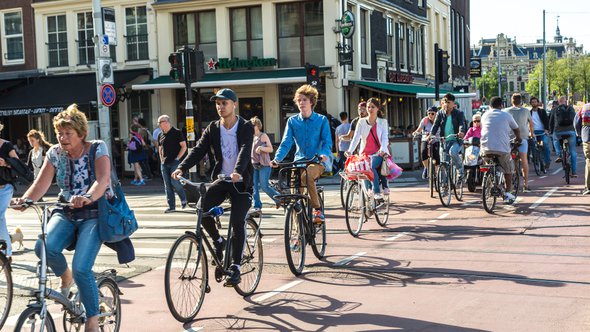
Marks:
<point>455,126</point>
<point>496,127</point>
<point>582,125</point>
<point>541,128</point>
<point>310,133</point>
<point>426,127</point>
<point>231,139</point>
<point>561,123</point>
<point>372,134</point>
<point>523,118</point>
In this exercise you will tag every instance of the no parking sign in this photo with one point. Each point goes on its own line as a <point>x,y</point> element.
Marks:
<point>108,95</point>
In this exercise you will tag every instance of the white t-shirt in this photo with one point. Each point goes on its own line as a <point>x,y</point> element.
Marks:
<point>229,148</point>
<point>537,123</point>
<point>496,127</point>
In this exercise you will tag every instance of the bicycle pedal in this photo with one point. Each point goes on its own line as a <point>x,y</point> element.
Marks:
<point>208,289</point>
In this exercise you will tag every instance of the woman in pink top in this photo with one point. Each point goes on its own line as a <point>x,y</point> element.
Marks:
<point>474,131</point>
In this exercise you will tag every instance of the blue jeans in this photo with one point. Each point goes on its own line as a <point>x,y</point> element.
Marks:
<point>261,177</point>
<point>572,145</point>
<point>170,185</point>
<point>454,149</point>
<point>376,161</point>
<point>5,197</point>
<point>61,233</point>
<point>540,135</point>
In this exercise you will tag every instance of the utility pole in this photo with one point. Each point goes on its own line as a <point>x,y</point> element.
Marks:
<point>499,69</point>
<point>543,93</point>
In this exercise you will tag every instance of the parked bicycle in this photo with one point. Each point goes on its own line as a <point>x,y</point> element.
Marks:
<point>565,157</point>
<point>449,179</point>
<point>36,316</point>
<point>6,287</point>
<point>361,205</point>
<point>186,276</point>
<point>300,229</point>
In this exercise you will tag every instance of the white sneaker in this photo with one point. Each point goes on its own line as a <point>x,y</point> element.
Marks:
<point>378,196</point>
<point>386,191</point>
<point>509,198</point>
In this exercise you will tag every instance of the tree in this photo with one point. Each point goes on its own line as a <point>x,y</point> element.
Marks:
<point>488,83</point>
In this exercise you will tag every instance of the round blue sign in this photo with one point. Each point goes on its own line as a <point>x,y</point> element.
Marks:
<point>108,95</point>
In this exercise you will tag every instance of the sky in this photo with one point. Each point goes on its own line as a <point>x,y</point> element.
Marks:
<point>523,19</point>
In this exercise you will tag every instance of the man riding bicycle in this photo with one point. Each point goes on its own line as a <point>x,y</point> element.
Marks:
<point>231,139</point>
<point>496,127</point>
<point>311,134</point>
<point>456,126</point>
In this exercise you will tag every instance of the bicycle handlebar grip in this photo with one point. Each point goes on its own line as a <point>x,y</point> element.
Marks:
<point>216,211</point>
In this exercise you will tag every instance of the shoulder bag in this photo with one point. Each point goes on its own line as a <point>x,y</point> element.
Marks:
<point>116,221</point>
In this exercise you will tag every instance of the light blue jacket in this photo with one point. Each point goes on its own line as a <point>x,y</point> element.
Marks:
<point>311,136</point>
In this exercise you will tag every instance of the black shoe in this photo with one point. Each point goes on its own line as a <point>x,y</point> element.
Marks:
<point>169,210</point>
<point>219,247</point>
<point>183,205</point>
<point>558,160</point>
<point>234,277</point>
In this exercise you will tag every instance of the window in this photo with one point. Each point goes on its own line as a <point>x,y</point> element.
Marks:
<point>57,41</point>
<point>419,49</point>
<point>198,30</point>
<point>85,42</point>
<point>403,55</point>
<point>411,39</point>
<point>136,33</point>
<point>139,106</point>
<point>12,38</point>
<point>462,43</point>
<point>246,32</point>
<point>391,40</point>
<point>511,86</point>
<point>300,29</point>
<point>363,31</point>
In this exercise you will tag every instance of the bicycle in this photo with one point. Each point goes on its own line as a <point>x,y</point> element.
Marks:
<point>344,185</point>
<point>36,316</point>
<point>565,157</point>
<point>493,185</point>
<point>360,205</point>
<point>432,167</point>
<point>6,287</point>
<point>186,276</point>
<point>535,154</point>
<point>448,176</point>
<point>300,228</point>
<point>515,155</point>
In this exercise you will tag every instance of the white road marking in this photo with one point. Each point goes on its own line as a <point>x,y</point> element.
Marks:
<point>272,239</point>
<point>542,199</point>
<point>557,171</point>
<point>471,202</point>
<point>193,329</point>
<point>277,291</point>
<point>512,206</point>
<point>531,181</point>
<point>349,259</point>
<point>443,216</point>
<point>396,236</point>
<point>542,177</point>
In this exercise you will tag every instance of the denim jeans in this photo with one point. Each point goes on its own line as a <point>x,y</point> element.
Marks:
<point>61,233</point>
<point>5,197</point>
<point>170,185</point>
<point>261,177</point>
<point>572,145</point>
<point>454,149</point>
<point>540,135</point>
<point>376,161</point>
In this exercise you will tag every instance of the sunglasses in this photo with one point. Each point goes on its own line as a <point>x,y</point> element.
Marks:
<point>476,121</point>
<point>431,113</point>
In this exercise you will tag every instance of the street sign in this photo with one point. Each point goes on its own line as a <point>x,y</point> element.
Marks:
<point>109,26</point>
<point>104,51</point>
<point>105,73</point>
<point>347,24</point>
<point>108,95</point>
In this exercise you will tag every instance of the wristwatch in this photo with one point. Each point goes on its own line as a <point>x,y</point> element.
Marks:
<point>89,197</point>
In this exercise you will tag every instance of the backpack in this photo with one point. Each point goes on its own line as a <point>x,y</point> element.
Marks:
<point>565,116</point>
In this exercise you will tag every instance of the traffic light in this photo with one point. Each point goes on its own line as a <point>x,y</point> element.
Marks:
<point>442,66</point>
<point>313,74</point>
<point>196,66</point>
<point>177,64</point>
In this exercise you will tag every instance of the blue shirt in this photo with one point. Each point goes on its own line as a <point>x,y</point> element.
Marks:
<point>311,136</point>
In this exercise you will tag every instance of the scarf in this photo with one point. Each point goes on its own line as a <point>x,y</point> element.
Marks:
<point>64,175</point>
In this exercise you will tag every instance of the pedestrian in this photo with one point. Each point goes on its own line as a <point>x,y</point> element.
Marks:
<point>261,150</point>
<point>541,128</point>
<point>21,149</point>
<point>146,135</point>
<point>343,145</point>
<point>561,124</point>
<point>523,118</point>
<point>39,147</point>
<point>171,148</point>
<point>6,190</point>
<point>362,113</point>
<point>136,154</point>
<point>582,126</point>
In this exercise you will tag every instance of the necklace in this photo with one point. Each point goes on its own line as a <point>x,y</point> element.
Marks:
<point>76,155</point>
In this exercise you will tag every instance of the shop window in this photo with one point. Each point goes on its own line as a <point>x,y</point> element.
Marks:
<point>300,29</point>
<point>246,32</point>
<point>12,38</point>
<point>57,41</point>
<point>197,30</point>
<point>139,107</point>
<point>136,33</point>
<point>251,107</point>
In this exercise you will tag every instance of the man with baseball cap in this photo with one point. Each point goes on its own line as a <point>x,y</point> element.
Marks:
<point>231,139</point>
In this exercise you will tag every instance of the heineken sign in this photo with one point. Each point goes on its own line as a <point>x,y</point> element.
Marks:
<point>236,63</point>
<point>347,24</point>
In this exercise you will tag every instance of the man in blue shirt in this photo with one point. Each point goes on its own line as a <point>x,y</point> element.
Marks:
<point>310,132</point>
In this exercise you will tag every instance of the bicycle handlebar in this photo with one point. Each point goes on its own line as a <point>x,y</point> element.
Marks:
<point>316,159</point>
<point>29,202</point>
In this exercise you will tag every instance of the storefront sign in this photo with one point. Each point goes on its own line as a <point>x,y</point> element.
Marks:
<point>236,63</point>
<point>347,24</point>
<point>345,58</point>
<point>395,77</point>
<point>475,67</point>
<point>29,111</point>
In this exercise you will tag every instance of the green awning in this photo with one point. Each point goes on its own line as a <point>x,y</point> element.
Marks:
<point>234,78</point>
<point>398,87</point>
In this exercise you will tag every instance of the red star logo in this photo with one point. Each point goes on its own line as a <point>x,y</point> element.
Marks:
<point>211,63</point>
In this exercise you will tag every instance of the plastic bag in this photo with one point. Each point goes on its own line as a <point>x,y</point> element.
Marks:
<point>358,164</point>
<point>395,170</point>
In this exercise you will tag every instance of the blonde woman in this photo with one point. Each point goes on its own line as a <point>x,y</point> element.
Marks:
<point>6,189</point>
<point>261,149</point>
<point>39,148</point>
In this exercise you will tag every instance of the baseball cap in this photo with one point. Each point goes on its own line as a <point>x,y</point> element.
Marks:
<point>225,94</point>
<point>432,109</point>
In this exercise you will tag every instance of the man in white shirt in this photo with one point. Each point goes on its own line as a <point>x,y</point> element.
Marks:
<point>522,116</point>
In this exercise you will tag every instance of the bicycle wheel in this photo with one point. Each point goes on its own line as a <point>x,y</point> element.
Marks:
<point>343,189</point>
<point>566,164</point>
<point>6,289</point>
<point>186,278</point>
<point>516,177</point>
<point>30,320</point>
<point>295,238</point>
<point>458,185</point>
<point>487,192</point>
<point>431,177</point>
<point>444,185</point>
<point>109,305</point>
<point>537,164</point>
<point>252,261</point>
<point>355,209</point>
<point>318,245</point>
<point>382,211</point>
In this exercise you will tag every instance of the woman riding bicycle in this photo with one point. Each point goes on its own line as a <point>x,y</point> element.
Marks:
<point>76,224</point>
<point>371,133</point>
<point>426,127</point>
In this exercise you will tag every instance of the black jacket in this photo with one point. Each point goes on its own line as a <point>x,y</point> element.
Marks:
<point>457,117</point>
<point>211,138</point>
<point>543,116</point>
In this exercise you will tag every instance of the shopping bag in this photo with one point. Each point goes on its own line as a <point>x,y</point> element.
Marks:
<point>394,170</point>
<point>358,164</point>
